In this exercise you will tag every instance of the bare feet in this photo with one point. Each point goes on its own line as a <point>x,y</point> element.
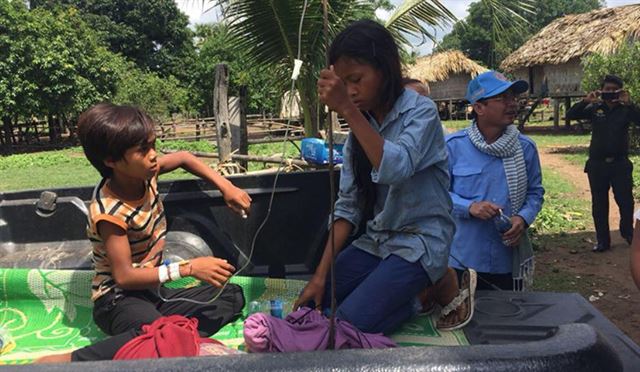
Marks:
<point>56,358</point>
<point>445,290</point>
<point>455,318</point>
<point>459,311</point>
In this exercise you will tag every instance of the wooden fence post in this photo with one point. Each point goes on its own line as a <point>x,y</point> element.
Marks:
<point>8,131</point>
<point>567,105</point>
<point>556,113</point>
<point>238,123</point>
<point>221,112</point>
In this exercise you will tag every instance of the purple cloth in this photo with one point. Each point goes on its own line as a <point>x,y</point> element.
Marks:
<point>305,330</point>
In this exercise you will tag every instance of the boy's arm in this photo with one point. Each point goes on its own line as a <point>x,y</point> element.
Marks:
<point>214,271</point>
<point>236,198</point>
<point>119,255</point>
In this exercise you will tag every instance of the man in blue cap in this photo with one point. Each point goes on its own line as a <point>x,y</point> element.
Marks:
<point>495,172</point>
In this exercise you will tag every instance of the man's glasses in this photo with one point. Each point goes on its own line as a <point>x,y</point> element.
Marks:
<point>504,97</point>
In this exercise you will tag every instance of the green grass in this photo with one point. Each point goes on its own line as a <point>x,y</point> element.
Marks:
<point>69,167</point>
<point>200,146</point>
<point>577,158</point>
<point>561,211</point>
<point>580,159</point>
<point>560,140</point>
<point>47,169</point>
<point>555,278</point>
<point>455,125</point>
<point>558,280</point>
<point>268,149</point>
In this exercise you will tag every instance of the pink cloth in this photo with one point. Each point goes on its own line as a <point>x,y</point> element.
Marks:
<point>168,336</point>
<point>305,330</point>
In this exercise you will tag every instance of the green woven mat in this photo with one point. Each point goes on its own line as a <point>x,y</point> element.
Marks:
<point>50,311</point>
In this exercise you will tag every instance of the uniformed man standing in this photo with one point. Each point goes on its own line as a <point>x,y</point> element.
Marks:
<point>610,111</point>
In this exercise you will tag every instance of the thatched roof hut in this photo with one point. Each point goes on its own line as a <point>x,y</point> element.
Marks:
<point>447,74</point>
<point>554,54</point>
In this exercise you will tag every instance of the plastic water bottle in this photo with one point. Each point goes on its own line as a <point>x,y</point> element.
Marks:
<point>254,307</point>
<point>503,224</point>
<point>276,308</point>
<point>273,307</point>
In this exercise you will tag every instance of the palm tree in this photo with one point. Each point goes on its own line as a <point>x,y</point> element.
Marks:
<point>269,29</point>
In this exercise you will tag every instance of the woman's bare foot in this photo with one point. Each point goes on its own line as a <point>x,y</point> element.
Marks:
<point>445,289</point>
<point>459,311</point>
<point>55,358</point>
<point>455,319</point>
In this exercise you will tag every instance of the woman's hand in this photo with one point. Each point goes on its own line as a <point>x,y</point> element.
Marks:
<point>238,200</point>
<point>313,291</point>
<point>333,92</point>
<point>212,270</point>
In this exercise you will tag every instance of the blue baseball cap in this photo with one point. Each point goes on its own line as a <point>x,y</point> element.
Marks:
<point>492,83</point>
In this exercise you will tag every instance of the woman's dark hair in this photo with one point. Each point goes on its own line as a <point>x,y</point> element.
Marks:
<point>408,80</point>
<point>370,43</point>
<point>107,131</point>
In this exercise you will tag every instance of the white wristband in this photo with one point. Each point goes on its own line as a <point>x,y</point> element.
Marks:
<point>174,271</point>
<point>163,273</point>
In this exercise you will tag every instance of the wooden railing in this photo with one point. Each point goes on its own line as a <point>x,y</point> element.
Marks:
<point>259,129</point>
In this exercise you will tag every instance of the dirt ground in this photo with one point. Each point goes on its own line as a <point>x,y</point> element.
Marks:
<point>604,278</point>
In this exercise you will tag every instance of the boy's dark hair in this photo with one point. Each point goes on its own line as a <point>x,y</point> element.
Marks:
<point>107,131</point>
<point>614,79</point>
<point>369,42</point>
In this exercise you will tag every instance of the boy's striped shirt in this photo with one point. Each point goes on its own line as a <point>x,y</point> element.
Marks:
<point>143,220</point>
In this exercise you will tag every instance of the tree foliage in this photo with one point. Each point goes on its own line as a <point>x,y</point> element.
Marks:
<point>413,18</point>
<point>479,38</point>
<point>51,64</point>
<point>623,63</point>
<point>269,30</point>
<point>152,33</point>
<point>160,97</point>
<point>214,47</point>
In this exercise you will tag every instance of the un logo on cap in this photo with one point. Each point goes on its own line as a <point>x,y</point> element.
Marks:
<point>499,76</point>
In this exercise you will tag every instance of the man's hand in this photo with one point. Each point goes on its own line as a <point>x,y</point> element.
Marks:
<point>514,234</point>
<point>592,97</point>
<point>484,210</point>
<point>624,97</point>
